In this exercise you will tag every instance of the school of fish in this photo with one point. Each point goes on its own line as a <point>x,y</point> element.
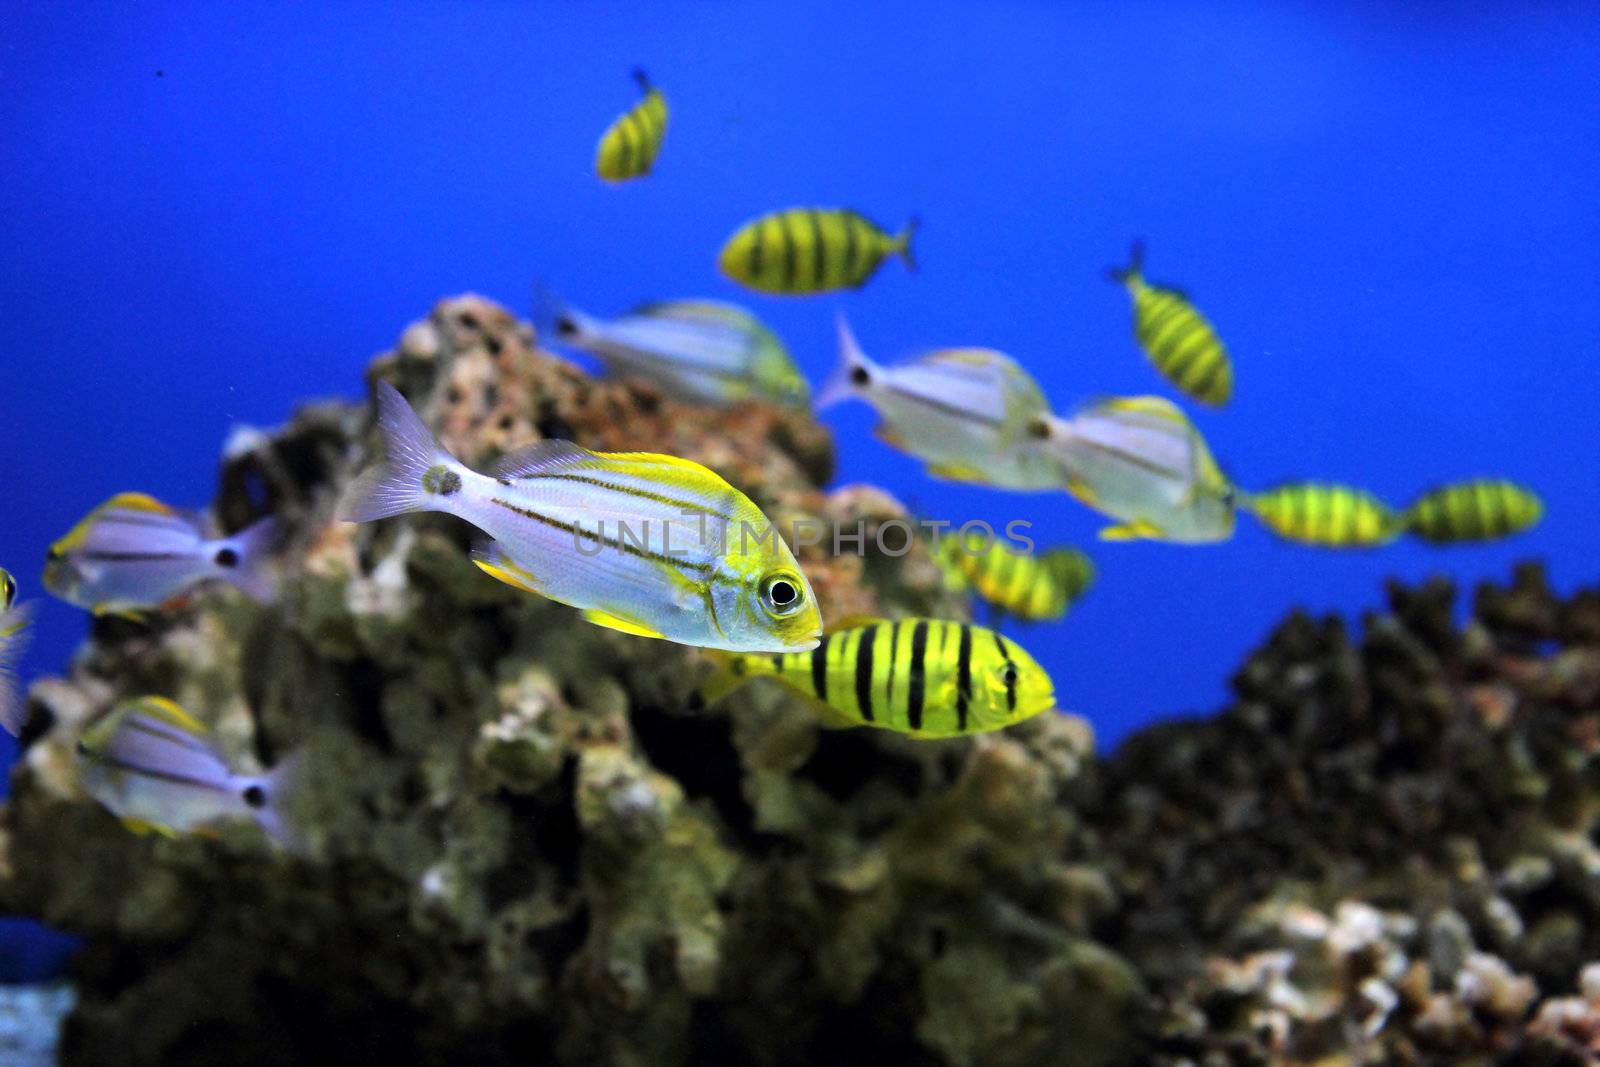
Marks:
<point>658,546</point>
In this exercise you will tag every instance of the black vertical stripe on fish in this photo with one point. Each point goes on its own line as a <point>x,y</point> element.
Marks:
<point>790,252</point>
<point>1011,673</point>
<point>894,655</point>
<point>869,636</point>
<point>917,676</point>
<point>963,677</point>
<point>777,662</point>
<point>754,265</point>
<point>819,668</point>
<point>848,270</point>
<point>818,259</point>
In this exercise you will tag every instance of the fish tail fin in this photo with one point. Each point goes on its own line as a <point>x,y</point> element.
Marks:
<point>15,633</point>
<point>277,790</point>
<point>557,321</point>
<point>902,242</point>
<point>853,372</point>
<point>1135,268</point>
<point>395,485</point>
<point>246,559</point>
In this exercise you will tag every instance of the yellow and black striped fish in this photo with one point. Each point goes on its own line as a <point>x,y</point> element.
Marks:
<point>811,250</point>
<point>1179,341</point>
<point>629,146</point>
<point>1484,509</point>
<point>925,678</point>
<point>1325,515</point>
<point>1020,584</point>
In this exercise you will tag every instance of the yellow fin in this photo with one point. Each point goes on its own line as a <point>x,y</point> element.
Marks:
<point>1132,531</point>
<point>169,711</point>
<point>1159,406</point>
<point>956,472</point>
<point>142,827</point>
<point>616,622</point>
<point>510,574</point>
<point>137,502</point>
<point>1080,489</point>
<point>852,622</point>
<point>104,611</point>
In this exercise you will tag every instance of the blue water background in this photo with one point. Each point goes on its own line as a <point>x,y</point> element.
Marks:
<point>212,212</point>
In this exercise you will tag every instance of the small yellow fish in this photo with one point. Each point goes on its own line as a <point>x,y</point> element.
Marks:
<point>1484,509</point>
<point>811,250</point>
<point>14,622</point>
<point>926,678</point>
<point>1179,341</point>
<point>1325,515</point>
<point>1020,584</point>
<point>629,147</point>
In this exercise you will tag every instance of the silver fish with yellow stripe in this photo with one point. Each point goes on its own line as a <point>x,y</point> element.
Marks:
<point>134,553</point>
<point>811,250</point>
<point>629,147</point>
<point>15,620</point>
<point>965,412</point>
<point>925,678</point>
<point>156,767</point>
<point>648,544</point>
<point>1140,460</point>
<point>1179,341</point>
<point>701,351</point>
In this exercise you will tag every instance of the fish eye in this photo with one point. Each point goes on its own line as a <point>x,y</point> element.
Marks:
<point>227,557</point>
<point>782,595</point>
<point>860,376</point>
<point>255,796</point>
<point>8,589</point>
<point>565,327</point>
<point>1039,430</point>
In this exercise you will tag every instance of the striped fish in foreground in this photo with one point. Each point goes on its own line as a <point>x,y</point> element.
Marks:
<point>1325,515</point>
<point>1485,509</point>
<point>156,767</point>
<point>966,412</point>
<point>1140,460</point>
<point>648,544</point>
<point>811,250</point>
<point>134,553</point>
<point>1025,586</point>
<point>14,633</point>
<point>701,351</point>
<point>1175,336</point>
<point>629,147</point>
<point>925,678</point>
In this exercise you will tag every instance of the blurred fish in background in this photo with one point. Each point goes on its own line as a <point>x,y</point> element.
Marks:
<point>1324,515</point>
<point>15,620</point>
<point>1179,341</point>
<point>629,147</point>
<point>1023,585</point>
<point>1485,509</point>
<point>966,412</point>
<point>812,250</point>
<point>134,554</point>
<point>156,767</point>
<point>700,351</point>
<point>1141,461</point>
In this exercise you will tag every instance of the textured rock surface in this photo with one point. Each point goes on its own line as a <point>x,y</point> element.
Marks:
<point>522,845</point>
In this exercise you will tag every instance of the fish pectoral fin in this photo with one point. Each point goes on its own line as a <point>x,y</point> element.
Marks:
<point>1132,531</point>
<point>617,622</point>
<point>106,611</point>
<point>956,472</point>
<point>492,560</point>
<point>144,826</point>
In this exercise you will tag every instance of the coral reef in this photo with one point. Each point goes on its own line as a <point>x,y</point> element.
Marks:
<point>524,841</point>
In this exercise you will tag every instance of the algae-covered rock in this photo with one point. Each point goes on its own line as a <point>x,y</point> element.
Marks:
<point>522,840</point>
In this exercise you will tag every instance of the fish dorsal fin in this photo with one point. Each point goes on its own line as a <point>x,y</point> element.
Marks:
<point>965,357</point>
<point>852,622</point>
<point>538,458</point>
<point>694,310</point>
<point>138,502</point>
<point>167,711</point>
<point>1157,406</point>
